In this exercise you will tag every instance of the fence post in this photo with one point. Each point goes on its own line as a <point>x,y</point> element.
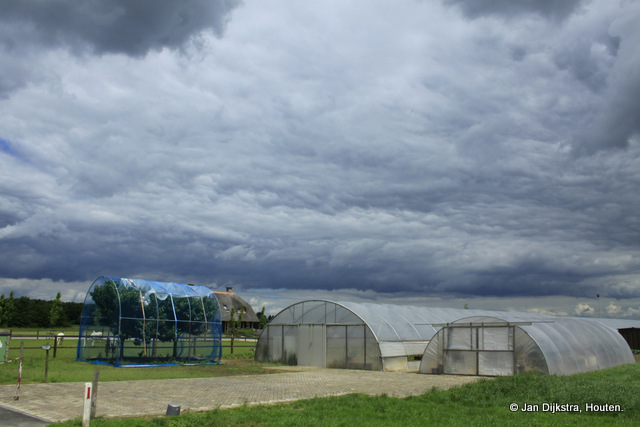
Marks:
<point>46,348</point>
<point>17,395</point>
<point>94,394</point>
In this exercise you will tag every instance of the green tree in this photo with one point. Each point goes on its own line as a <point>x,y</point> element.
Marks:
<point>106,313</point>
<point>72,311</point>
<point>35,312</point>
<point>7,310</point>
<point>57,316</point>
<point>11,309</point>
<point>231,329</point>
<point>120,309</point>
<point>236,323</point>
<point>262,318</point>
<point>3,322</point>
<point>150,318</point>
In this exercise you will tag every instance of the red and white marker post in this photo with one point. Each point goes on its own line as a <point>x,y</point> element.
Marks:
<point>86,414</point>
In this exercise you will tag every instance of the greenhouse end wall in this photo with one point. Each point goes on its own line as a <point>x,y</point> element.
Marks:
<point>489,347</point>
<point>128,322</point>
<point>496,347</point>
<point>319,333</point>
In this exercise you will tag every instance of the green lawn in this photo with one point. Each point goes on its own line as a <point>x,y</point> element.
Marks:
<point>64,368</point>
<point>486,403</point>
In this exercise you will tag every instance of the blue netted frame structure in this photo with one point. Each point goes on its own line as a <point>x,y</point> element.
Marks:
<point>134,322</point>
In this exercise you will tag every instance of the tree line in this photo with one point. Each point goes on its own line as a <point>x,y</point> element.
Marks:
<point>25,312</point>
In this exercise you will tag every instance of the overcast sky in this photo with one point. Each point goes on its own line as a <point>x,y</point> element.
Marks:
<point>435,151</point>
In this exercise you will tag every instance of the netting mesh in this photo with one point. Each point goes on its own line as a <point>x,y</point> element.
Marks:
<point>138,322</point>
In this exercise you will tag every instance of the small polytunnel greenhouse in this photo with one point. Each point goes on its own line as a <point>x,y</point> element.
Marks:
<point>137,322</point>
<point>493,346</point>
<point>353,335</point>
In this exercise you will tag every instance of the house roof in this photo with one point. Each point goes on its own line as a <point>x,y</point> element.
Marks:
<point>230,300</point>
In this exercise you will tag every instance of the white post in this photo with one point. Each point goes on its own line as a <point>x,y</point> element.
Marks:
<point>86,414</point>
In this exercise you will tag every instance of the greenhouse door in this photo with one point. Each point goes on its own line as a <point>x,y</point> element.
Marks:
<point>495,354</point>
<point>478,350</point>
<point>311,345</point>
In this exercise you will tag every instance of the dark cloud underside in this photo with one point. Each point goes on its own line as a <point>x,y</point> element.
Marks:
<point>548,8</point>
<point>119,26</point>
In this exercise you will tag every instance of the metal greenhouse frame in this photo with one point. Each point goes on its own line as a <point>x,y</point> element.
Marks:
<point>134,322</point>
<point>353,335</point>
<point>434,340</point>
<point>492,346</point>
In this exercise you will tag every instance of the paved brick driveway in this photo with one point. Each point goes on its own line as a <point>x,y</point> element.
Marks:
<point>63,401</point>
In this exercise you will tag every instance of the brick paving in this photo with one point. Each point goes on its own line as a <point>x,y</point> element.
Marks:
<point>63,401</point>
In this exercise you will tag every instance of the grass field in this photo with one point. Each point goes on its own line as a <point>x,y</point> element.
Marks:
<point>64,368</point>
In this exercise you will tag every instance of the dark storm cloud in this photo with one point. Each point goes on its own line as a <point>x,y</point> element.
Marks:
<point>391,149</point>
<point>132,27</point>
<point>616,120</point>
<point>582,59</point>
<point>601,59</point>
<point>555,9</point>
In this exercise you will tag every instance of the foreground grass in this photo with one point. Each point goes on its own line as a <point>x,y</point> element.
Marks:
<point>484,403</point>
<point>64,368</point>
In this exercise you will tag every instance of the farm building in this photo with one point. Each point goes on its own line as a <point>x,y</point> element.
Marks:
<point>139,322</point>
<point>232,304</point>
<point>631,336</point>
<point>507,345</point>
<point>389,337</point>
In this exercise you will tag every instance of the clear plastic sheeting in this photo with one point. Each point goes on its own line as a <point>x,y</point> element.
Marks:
<point>353,335</point>
<point>448,340</point>
<point>138,322</point>
<point>319,333</point>
<point>573,345</point>
<point>521,343</point>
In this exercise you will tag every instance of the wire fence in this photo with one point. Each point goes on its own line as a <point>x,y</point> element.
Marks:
<point>57,341</point>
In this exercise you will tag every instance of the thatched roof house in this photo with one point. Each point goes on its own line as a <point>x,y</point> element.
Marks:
<point>230,301</point>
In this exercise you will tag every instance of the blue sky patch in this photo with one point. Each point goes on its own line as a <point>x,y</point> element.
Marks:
<point>6,147</point>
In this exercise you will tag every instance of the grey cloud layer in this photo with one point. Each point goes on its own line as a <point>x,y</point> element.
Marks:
<point>547,8</point>
<point>397,149</point>
<point>118,26</point>
<point>100,27</point>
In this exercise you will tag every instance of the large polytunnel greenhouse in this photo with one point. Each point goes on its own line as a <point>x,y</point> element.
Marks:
<point>137,322</point>
<point>438,340</point>
<point>353,335</point>
<point>493,346</point>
